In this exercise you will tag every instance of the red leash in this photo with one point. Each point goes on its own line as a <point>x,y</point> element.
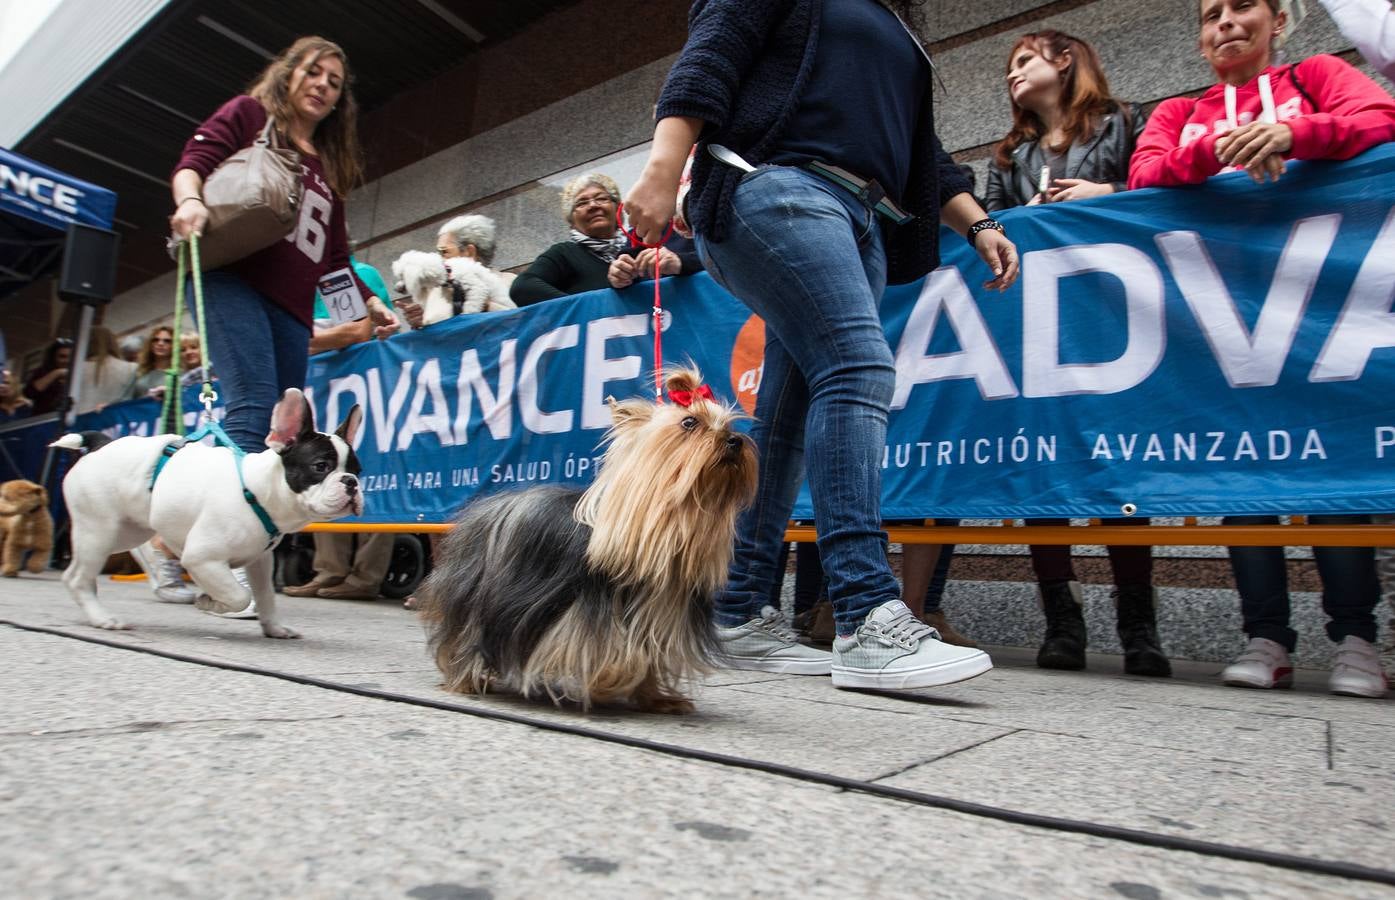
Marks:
<point>658,305</point>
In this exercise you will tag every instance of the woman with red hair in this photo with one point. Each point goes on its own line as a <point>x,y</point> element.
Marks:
<point>1070,138</point>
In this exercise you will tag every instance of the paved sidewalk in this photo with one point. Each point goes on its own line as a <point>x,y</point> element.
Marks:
<point>124,774</point>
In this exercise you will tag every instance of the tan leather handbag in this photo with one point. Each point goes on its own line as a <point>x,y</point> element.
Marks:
<point>253,200</point>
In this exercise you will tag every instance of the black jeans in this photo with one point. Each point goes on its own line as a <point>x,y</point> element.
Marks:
<point>1350,589</point>
<point>1132,566</point>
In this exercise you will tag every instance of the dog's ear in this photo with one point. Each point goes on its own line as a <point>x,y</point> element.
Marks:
<point>348,428</point>
<point>685,379</point>
<point>292,420</point>
<point>629,412</point>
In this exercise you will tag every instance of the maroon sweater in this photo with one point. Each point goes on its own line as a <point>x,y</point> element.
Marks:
<point>287,271</point>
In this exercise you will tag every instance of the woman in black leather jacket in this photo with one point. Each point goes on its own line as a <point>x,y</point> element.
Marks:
<point>1071,140</point>
<point>1065,122</point>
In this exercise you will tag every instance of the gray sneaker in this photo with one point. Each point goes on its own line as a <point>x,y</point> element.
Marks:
<point>166,574</point>
<point>768,644</point>
<point>893,649</point>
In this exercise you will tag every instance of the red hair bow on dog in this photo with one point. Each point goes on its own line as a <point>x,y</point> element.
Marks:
<point>686,398</point>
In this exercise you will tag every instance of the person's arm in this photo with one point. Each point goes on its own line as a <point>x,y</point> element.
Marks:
<point>346,334</point>
<point>225,132</point>
<point>993,247</point>
<point>540,281</point>
<point>43,382</point>
<point>1159,159</point>
<point>190,215</point>
<point>1370,25</point>
<point>1354,113</point>
<point>654,197</point>
<point>995,195</point>
<point>1138,120</point>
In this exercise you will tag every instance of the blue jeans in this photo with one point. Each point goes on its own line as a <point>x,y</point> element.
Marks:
<point>807,257</point>
<point>1350,589</point>
<point>257,348</point>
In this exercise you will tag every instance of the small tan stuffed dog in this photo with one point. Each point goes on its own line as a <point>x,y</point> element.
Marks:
<point>25,524</point>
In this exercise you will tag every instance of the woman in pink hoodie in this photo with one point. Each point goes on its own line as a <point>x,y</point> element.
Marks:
<point>1255,118</point>
<point>1259,114</point>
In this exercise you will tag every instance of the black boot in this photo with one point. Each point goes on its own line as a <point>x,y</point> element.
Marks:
<point>1138,632</point>
<point>1064,645</point>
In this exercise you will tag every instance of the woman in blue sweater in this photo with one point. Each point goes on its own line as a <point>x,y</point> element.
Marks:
<point>830,101</point>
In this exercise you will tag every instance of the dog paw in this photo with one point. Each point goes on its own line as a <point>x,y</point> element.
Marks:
<point>208,604</point>
<point>669,706</point>
<point>112,625</point>
<point>272,630</point>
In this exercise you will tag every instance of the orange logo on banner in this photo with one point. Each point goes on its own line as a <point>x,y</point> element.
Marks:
<point>748,362</point>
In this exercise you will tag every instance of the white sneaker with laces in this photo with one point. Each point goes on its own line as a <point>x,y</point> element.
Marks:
<point>769,644</point>
<point>893,650</point>
<point>1357,671</point>
<point>1263,664</point>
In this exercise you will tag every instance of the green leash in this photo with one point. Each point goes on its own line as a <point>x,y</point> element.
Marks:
<point>187,258</point>
<point>189,253</point>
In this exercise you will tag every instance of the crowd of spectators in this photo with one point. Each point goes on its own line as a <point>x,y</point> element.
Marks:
<point>1070,139</point>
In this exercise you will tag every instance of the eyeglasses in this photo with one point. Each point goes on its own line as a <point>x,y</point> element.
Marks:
<point>602,199</point>
<point>161,341</point>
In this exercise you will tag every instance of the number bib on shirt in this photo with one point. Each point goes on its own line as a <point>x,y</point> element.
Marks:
<point>342,297</point>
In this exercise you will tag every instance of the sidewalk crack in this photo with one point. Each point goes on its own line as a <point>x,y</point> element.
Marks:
<point>933,759</point>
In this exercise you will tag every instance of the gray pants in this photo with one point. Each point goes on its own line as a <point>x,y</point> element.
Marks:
<point>335,559</point>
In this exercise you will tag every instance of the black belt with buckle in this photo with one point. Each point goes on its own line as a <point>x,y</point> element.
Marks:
<point>869,191</point>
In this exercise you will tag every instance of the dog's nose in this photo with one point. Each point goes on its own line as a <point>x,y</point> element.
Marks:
<point>733,444</point>
<point>350,484</point>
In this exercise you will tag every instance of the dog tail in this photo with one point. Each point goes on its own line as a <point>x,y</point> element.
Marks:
<point>82,441</point>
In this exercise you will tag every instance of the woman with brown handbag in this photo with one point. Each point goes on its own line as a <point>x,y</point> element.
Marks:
<point>259,307</point>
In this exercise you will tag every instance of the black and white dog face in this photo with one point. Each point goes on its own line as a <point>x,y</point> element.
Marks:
<point>320,469</point>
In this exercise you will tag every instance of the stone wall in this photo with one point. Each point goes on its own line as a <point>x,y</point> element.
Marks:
<point>513,171</point>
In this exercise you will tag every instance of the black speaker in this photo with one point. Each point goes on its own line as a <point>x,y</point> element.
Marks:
<point>89,264</point>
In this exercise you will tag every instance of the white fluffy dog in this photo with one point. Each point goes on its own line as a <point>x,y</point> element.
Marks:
<point>449,287</point>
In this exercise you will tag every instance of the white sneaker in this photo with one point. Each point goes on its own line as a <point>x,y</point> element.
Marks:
<point>1357,671</point>
<point>893,650</point>
<point>768,644</point>
<point>1264,664</point>
<point>166,575</point>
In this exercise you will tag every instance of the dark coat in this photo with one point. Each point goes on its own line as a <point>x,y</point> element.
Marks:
<point>742,71</point>
<point>1104,158</point>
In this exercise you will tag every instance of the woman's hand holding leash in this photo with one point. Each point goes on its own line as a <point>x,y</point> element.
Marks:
<point>190,217</point>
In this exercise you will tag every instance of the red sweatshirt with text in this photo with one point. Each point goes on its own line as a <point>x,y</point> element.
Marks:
<point>288,271</point>
<point>1343,114</point>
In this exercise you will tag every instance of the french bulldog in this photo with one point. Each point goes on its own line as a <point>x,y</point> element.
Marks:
<point>198,508</point>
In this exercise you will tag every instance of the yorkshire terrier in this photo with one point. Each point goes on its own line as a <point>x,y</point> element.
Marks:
<point>602,596</point>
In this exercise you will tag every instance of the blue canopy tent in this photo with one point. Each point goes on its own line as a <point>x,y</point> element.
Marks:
<point>37,207</point>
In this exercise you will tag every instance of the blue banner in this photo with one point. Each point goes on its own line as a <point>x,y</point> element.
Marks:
<point>1210,350</point>
<point>36,192</point>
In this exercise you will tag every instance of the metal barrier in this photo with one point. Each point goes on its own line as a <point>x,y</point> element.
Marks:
<point>1189,534</point>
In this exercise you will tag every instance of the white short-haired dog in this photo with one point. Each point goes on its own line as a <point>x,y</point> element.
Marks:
<point>448,287</point>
